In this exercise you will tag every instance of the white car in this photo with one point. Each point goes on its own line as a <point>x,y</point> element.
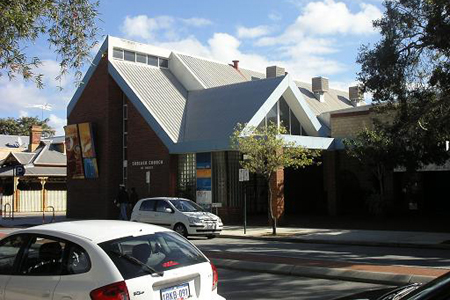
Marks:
<point>182,215</point>
<point>102,259</point>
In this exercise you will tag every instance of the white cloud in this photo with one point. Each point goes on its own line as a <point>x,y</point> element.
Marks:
<point>140,26</point>
<point>57,123</point>
<point>326,18</point>
<point>253,32</point>
<point>197,22</point>
<point>23,113</point>
<point>275,16</point>
<point>330,17</point>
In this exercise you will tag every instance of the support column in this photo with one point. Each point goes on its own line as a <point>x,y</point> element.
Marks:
<point>277,187</point>
<point>43,193</point>
<point>16,194</point>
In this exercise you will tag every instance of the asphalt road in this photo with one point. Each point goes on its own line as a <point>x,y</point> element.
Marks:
<point>236,285</point>
<point>434,258</point>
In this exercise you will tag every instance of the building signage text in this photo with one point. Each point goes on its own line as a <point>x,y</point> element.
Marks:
<point>147,164</point>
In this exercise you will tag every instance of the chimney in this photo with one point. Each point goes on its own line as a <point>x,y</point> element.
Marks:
<point>35,137</point>
<point>356,95</point>
<point>274,71</point>
<point>319,87</point>
<point>236,64</point>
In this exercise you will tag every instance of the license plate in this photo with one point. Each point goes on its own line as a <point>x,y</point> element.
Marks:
<point>179,292</point>
<point>211,226</point>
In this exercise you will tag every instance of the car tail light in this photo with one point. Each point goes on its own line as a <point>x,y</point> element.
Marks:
<point>115,291</point>
<point>215,277</point>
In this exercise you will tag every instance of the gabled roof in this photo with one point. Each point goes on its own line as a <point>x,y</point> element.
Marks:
<point>158,94</point>
<point>46,156</point>
<point>213,113</point>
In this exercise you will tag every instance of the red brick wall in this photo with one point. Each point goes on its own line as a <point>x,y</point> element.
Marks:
<point>101,104</point>
<point>144,146</point>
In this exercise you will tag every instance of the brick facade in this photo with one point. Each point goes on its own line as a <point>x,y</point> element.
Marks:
<point>101,103</point>
<point>147,153</point>
<point>349,124</point>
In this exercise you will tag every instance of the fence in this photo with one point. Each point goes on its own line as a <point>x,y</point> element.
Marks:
<point>31,201</point>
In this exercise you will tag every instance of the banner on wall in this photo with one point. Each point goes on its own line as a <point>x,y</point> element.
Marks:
<point>73,150</point>
<point>88,150</point>
<point>81,156</point>
<point>204,194</point>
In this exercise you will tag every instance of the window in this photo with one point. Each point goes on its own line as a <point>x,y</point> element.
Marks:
<point>142,58</point>
<point>152,60</point>
<point>281,113</point>
<point>284,114</point>
<point>130,56</point>
<point>9,248</point>
<point>78,261</point>
<point>118,53</point>
<point>43,257</point>
<point>163,63</point>
<point>186,183</point>
<point>272,115</point>
<point>162,205</point>
<point>161,251</point>
<point>148,205</point>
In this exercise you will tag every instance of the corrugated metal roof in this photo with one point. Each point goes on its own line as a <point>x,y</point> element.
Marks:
<point>50,157</point>
<point>212,74</point>
<point>213,113</point>
<point>45,171</point>
<point>23,157</point>
<point>334,99</point>
<point>159,91</point>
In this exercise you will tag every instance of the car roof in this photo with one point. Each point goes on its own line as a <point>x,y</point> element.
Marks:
<point>164,198</point>
<point>96,231</point>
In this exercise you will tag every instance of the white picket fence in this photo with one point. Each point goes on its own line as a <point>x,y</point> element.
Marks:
<point>31,201</point>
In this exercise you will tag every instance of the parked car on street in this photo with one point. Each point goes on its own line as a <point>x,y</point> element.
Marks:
<point>182,215</point>
<point>437,289</point>
<point>102,259</point>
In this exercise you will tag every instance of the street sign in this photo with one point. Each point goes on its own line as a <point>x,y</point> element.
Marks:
<point>244,175</point>
<point>218,204</point>
<point>20,170</point>
<point>447,145</point>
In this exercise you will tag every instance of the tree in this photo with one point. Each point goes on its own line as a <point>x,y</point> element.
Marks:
<point>408,73</point>
<point>376,150</point>
<point>21,126</point>
<point>267,152</point>
<point>68,25</point>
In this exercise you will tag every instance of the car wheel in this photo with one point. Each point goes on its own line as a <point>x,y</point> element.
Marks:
<point>180,229</point>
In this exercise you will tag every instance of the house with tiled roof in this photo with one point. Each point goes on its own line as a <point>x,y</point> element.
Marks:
<point>160,118</point>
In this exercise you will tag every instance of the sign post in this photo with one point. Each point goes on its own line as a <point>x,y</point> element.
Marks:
<point>17,171</point>
<point>147,180</point>
<point>243,177</point>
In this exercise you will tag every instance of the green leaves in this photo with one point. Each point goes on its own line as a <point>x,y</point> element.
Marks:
<point>68,25</point>
<point>21,126</point>
<point>267,151</point>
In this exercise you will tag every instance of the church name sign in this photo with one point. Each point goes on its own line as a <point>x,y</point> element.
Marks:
<point>147,164</point>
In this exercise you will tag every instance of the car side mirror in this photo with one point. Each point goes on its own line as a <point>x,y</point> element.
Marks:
<point>169,210</point>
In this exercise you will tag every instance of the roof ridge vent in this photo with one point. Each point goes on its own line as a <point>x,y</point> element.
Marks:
<point>356,95</point>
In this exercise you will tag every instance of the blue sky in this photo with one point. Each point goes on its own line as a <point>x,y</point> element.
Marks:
<point>307,38</point>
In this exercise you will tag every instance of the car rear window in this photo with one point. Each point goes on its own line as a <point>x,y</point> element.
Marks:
<point>161,251</point>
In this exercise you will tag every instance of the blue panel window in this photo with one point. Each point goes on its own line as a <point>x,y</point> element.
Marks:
<point>296,128</point>
<point>118,53</point>
<point>163,63</point>
<point>130,56</point>
<point>152,60</point>
<point>142,58</point>
<point>284,114</point>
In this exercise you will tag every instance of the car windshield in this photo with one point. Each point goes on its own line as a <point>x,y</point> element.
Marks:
<point>151,254</point>
<point>186,205</point>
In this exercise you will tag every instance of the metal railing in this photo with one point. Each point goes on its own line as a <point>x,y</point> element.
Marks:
<point>4,210</point>
<point>43,214</point>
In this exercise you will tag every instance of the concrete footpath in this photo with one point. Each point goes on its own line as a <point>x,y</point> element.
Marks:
<point>328,269</point>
